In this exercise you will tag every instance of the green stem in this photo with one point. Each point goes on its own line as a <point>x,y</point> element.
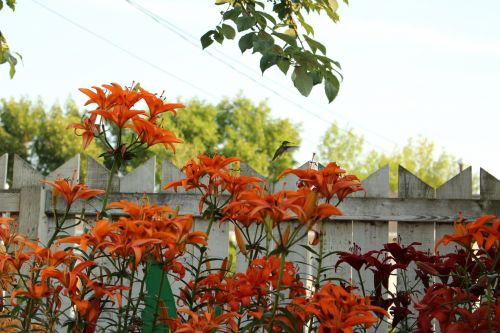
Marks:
<point>59,225</point>
<point>114,168</point>
<point>320,257</point>
<point>278,288</point>
<point>361,283</point>
<point>129,299</point>
<point>141,295</point>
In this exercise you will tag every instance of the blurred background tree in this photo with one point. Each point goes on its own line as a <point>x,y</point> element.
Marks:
<point>419,156</point>
<point>235,126</point>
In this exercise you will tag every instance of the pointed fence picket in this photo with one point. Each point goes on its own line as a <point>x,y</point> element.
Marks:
<point>418,213</point>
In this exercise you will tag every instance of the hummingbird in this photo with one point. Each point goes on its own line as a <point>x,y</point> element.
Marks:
<point>284,147</point>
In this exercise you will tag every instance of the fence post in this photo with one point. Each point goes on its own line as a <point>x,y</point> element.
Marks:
<point>32,220</point>
<point>3,170</point>
<point>458,187</point>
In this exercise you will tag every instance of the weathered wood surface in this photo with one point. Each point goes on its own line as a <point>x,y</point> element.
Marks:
<point>9,201</point>
<point>3,171</point>
<point>170,173</point>
<point>69,169</point>
<point>97,176</point>
<point>410,186</point>
<point>32,220</point>
<point>376,185</point>
<point>361,209</point>
<point>458,187</point>
<point>489,186</point>
<point>141,180</point>
<point>24,174</point>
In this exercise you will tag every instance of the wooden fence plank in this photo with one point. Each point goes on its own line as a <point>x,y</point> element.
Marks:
<point>97,176</point>
<point>170,173</point>
<point>337,237</point>
<point>3,170</point>
<point>68,169</point>
<point>9,201</point>
<point>489,186</point>
<point>141,180</point>
<point>458,187</point>
<point>410,186</point>
<point>32,221</point>
<point>376,185</point>
<point>365,209</point>
<point>24,174</point>
<point>369,235</point>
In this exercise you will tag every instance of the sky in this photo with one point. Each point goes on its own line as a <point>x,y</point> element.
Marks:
<point>411,68</point>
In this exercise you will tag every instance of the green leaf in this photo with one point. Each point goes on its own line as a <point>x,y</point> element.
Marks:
<point>11,4</point>
<point>316,76</point>
<point>246,42</point>
<point>222,2</point>
<point>231,14</point>
<point>263,42</point>
<point>206,39</point>
<point>1,4</point>
<point>332,86</point>
<point>267,60</point>
<point>315,45</point>
<point>302,81</point>
<point>218,36</point>
<point>244,23</point>
<point>269,17</point>
<point>283,65</point>
<point>286,38</point>
<point>334,5</point>
<point>228,31</point>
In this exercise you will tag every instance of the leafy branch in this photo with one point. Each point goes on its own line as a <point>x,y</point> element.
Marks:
<point>6,56</point>
<point>278,30</point>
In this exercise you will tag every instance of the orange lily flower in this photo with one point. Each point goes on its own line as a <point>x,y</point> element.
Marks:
<point>126,97</point>
<point>141,211</point>
<point>485,236</point>
<point>338,310</point>
<point>156,105</point>
<point>71,192</point>
<point>328,182</point>
<point>69,279</point>
<point>461,235</point>
<point>206,322</point>
<point>35,291</point>
<point>119,115</point>
<point>96,236</point>
<point>90,130</point>
<point>152,134</point>
<point>98,97</point>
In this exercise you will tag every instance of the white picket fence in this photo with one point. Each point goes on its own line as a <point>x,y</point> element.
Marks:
<point>418,213</point>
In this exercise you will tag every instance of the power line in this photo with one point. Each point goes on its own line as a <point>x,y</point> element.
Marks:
<point>96,35</point>
<point>133,55</point>
<point>151,64</point>
<point>189,39</point>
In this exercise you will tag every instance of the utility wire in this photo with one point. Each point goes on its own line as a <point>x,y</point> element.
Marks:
<point>133,55</point>
<point>190,39</point>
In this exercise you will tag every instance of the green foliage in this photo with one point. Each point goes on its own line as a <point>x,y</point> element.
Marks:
<point>40,136</point>
<point>419,156</point>
<point>272,28</point>
<point>6,55</point>
<point>235,126</point>
<point>54,143</point>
